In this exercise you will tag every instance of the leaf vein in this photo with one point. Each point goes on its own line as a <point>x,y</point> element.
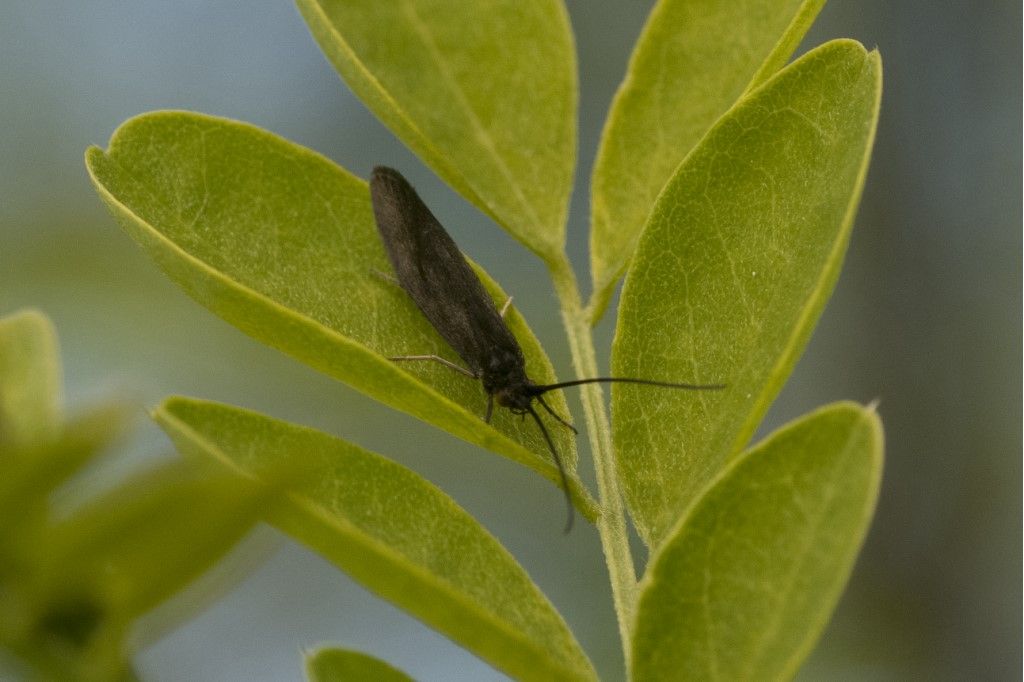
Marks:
<point>481,133</point>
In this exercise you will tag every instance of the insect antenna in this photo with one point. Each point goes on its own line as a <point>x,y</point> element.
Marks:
<point>558,462</point>
<point>537,390</point>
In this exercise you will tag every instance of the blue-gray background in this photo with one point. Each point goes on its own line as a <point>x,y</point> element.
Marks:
<point>926,317</point>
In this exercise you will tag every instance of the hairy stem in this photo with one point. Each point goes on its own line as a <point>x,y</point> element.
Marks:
<point>611,524</point>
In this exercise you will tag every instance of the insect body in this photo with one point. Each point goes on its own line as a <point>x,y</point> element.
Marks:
<point>432,270</point>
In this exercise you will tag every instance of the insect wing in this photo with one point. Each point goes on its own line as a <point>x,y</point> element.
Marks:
<point>432,270</point>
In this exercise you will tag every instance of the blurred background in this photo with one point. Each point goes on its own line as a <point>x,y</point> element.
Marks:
<point>926,318</point>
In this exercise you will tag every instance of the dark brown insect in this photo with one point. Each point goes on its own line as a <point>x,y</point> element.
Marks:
<point>432,270</point>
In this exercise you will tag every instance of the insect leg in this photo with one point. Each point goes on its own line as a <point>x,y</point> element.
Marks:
<point>505,307</point>
<point>434,358</point>
<point>384,277</point>
<point>490,408</point>
<point>554,414</point>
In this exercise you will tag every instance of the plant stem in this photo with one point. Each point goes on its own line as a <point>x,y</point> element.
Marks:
<point>611,524</point>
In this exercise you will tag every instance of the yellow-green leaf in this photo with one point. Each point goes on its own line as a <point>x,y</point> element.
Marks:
<point>282,243</point>
<point>692,62</point>
<point>156,532</point>
<point>741,253</point>
<point>344,665</point>
<point>484,93</point>
<point>29,474</point>
<point>745,584</point>
<point>30,413</point>
<point>395,533</point>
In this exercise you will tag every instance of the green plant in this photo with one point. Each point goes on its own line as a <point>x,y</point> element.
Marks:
<point>725,190</point>
<point>75,579</point>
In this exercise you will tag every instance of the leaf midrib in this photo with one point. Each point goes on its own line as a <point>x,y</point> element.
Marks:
<point>782,595</point>
<point>481,133</point>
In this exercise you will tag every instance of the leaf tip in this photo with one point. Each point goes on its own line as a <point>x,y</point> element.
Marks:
<point>868,419</point>
<point>850,44</point>
<point>92,153</point>
<point>585,503</point>
<point>33,317</point>
<point>166,408</point>
<point>874,423</point>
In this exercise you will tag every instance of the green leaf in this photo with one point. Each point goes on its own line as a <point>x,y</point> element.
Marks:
<point>691,64</point>
<point>741,253</point>
<point>484,93</point>
<point>343,665</point>
<point>745,584</point>
<point>28,475</point>
<point>156,532</point>
<point>395,533</point>
<point>72,589</point>
<point>282,243</point>
<point>30,413</point>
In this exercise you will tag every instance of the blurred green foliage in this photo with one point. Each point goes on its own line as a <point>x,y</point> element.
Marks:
<point>73,582</point>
